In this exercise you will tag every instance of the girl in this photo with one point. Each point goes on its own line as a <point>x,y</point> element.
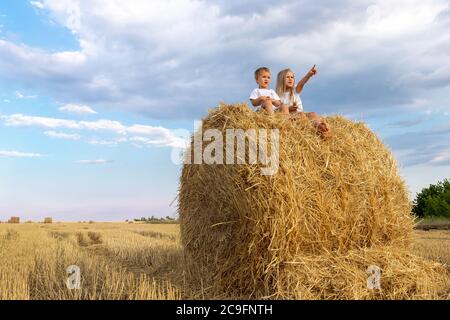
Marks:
<point>290,97</point>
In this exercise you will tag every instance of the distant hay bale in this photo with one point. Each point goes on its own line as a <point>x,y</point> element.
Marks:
<point>48,220</point>
<point>244,233</point>
<point>14,220</point>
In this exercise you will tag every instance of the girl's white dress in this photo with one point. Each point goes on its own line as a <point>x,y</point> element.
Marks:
<point>291,101</point>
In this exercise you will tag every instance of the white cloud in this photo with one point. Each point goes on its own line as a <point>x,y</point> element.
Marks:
<point>6,101</point>
<point>398,44</point>
<point>422,175</point>
<point>20,95</point>
<point>18,120</point>
<point>77,109</point>
<point>62,135</point>
<point>18,154</point>
<point>155,135</point>
<point>105,125</point>
<point>443,158</point>
<point>97,161</point>
<point>387,32</point>
<point>37,4</point>
<point>122,65</point>
<point>139,141</point>
<point>103,142</point>
<point>29,63</point>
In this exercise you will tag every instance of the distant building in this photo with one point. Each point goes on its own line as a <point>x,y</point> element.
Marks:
<point>48,220</point>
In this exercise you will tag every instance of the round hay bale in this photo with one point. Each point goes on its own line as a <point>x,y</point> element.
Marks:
<point>402,276</point>
<point>240,228</point>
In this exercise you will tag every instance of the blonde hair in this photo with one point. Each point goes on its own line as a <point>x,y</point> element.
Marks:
<point>281,84</point>
<point>259,70</point>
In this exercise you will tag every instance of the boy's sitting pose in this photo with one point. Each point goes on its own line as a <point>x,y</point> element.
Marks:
<point>263,97</point>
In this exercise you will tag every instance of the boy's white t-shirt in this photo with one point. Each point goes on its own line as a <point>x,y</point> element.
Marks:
<point>286,99</point>
<point>264,93</point>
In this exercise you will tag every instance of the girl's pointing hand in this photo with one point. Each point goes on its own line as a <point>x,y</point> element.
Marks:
<point>312,71</point>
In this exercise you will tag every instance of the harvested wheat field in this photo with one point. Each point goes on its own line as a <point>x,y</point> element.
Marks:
<point>334,208</point>
<point>124,261</point>
<point>116,261</point>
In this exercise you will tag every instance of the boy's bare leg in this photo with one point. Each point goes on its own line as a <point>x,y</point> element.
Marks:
<point>300,115</point>
<point>313,116</point>
<point>267,105</point>
<point>319,123</point>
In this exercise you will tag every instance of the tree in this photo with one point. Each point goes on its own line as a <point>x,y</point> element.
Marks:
<point>433,201</point>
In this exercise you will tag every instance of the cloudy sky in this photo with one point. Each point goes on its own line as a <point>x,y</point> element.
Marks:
<point>94,93</point>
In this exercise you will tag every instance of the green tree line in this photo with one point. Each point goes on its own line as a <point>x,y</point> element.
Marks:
<point>153,219</point>
<point>433,201</point>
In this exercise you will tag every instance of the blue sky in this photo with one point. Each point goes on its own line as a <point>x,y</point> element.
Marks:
<point>93,94</point>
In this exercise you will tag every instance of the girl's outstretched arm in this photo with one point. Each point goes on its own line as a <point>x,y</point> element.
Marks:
<point>312,72</point>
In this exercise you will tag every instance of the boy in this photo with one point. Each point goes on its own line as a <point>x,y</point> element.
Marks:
<point>263,97</point>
